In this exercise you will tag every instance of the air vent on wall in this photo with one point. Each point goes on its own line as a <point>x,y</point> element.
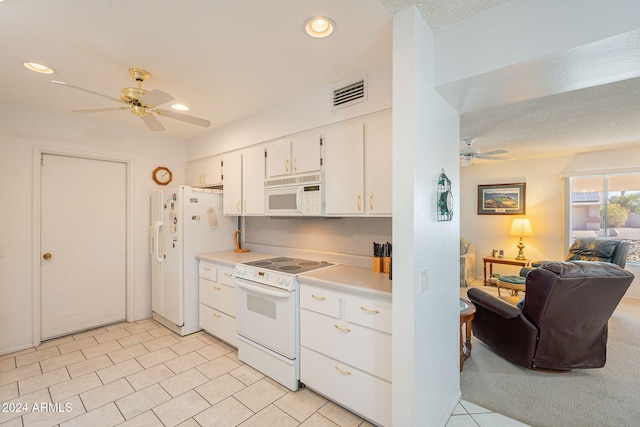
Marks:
<point>348,92</point>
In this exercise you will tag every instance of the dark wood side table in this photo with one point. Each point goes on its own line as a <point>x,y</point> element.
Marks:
<point>467,313</point>
<point>495,260</point>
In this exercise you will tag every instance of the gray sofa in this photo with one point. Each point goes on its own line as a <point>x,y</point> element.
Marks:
<point>467,262</point>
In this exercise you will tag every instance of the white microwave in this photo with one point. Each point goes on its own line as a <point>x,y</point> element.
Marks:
<point>298,195</point>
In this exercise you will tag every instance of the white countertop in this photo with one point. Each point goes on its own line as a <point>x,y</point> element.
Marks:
<point>351,279</point>
<point>341,277</point>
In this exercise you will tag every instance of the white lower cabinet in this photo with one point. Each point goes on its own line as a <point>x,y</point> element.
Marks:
<point>346,350</point>
<point>218,301</point>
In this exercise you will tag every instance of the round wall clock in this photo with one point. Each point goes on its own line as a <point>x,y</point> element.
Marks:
<point>162,175</point>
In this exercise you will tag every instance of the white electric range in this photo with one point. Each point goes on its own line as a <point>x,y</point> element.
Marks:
<point>267,318</point>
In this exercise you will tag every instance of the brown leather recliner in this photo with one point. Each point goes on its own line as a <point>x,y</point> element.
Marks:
<point>563,324</point>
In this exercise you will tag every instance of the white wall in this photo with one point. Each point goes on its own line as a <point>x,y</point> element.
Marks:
<point>22,130</point>
<point>519,30</point>
<point>307,112</point>
<point>425,321</point>
<point>544,205</point>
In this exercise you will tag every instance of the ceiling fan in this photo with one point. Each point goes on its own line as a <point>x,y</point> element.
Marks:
<point>141,102</point>
<point>468,155</point>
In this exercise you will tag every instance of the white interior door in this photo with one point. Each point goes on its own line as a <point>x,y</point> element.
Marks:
<point>83,244</point>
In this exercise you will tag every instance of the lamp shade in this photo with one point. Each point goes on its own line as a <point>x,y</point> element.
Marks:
<point>521,227</point>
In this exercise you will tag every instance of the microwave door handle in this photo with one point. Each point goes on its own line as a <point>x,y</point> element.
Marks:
<point>299,194</point>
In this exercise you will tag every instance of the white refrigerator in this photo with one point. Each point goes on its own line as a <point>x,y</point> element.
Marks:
<point>185,221</point>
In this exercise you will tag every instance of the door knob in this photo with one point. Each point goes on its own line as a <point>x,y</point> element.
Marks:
<point>47,256</point>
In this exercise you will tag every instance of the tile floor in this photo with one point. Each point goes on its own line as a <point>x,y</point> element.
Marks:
<point>142,374</point>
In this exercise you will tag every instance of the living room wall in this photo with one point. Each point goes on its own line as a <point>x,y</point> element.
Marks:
<point>544,205</point>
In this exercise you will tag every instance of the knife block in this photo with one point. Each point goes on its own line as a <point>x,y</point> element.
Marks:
<point>377,264</point>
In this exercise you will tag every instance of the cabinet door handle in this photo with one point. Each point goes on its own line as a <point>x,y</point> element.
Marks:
<point>370,201</point>
<point>342,371</point>
<point>244,209</point>
<point>317,298</point>
<point>286,166</point>
<point>369,311</point>
<point>359,202</point>
<point>238,206</point>
<point>217,288</point>
<point>345,330</point>
<point>295,164</point>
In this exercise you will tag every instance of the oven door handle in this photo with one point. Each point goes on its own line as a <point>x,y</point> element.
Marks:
<point>260,290</point>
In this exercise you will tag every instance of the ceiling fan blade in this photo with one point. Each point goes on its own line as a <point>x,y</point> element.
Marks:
<point>152,122</point>
<point>156,97</point>
<point>87,91</point>
<point>185,118</point>
<point>98,109</point>
<point>486,157</point>
<point>491,153</point>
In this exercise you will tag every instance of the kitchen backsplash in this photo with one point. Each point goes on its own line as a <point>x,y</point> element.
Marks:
<point>347,240</point>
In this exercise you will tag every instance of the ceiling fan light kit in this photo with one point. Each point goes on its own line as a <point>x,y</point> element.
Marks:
<point>141,102</point>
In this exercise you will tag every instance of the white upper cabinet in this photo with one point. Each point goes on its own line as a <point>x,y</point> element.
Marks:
<point>377,165</point>
<point>358,168</point>
<point>278,161</point>
<point>306,153</point>
<point>344,170</point>
<point>293,156</point>
<point>253,166</point>
<point>205,174</point>
<point>232,182</point>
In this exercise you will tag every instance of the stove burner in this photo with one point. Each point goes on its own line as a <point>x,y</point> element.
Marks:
<point>308,263</point>
<point>281,259</point>
<point>290,267</point>
<point>261,263</point>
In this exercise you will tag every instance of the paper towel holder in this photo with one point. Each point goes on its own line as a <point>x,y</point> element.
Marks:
<point>237,242</point>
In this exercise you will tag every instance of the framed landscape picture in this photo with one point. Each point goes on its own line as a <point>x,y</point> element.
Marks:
<point>502,199</point>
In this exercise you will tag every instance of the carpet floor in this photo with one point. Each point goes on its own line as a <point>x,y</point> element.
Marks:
<point>608,396</point>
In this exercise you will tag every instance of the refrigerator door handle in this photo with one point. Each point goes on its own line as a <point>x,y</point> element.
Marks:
<point>156,239</point>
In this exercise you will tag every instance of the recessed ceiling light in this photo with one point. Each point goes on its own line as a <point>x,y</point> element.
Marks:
<point>38,68</point>
<point>319,26</point>
<point>179,107</point>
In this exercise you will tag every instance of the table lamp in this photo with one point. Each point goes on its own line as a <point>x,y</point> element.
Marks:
<point>521,227</point>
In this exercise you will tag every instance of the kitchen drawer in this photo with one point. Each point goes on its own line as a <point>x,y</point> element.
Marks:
<point>350,387</point>
<point>365,312</point>
<point>208,271</point>
<point>227,276</point>
<point>218,324</point>
<point>218,296</point>
<point>320,300</point>
<point>365,348</point>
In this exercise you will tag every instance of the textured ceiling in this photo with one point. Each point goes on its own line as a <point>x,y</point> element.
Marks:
<point>440,13</point>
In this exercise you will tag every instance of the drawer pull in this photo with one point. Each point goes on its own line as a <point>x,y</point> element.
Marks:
<point>207,268</point>
<point>217,288</point>
<point>342,371</point>
<point>317,298</point>
<point>228,274</point>
<point>368,311</point>
<point>345,330</point>
<point>217,315</point>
